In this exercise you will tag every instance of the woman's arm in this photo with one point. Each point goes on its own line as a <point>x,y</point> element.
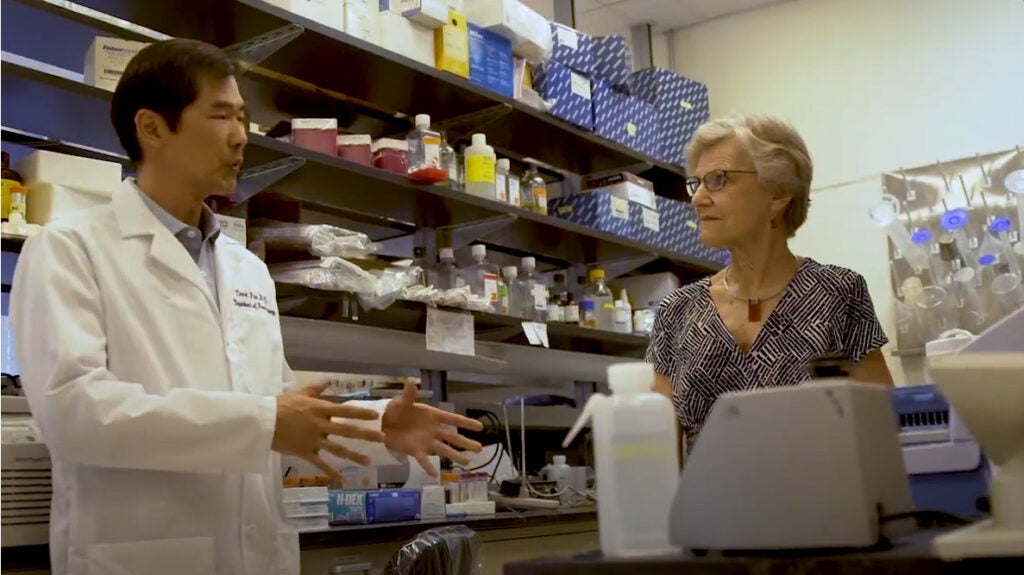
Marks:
<point>663,385</point>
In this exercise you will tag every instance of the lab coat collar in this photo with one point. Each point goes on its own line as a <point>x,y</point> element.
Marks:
<point>136,220</point>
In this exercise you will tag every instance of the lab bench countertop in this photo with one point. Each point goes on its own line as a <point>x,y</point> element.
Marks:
<point>345,535</point>
<point>910,555</point>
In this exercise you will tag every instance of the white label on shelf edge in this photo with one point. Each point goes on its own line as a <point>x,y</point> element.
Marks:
<point>580,85</point>
<point>450,332</point>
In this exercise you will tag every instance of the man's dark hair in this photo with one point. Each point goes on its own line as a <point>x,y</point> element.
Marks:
<point>165,77</point>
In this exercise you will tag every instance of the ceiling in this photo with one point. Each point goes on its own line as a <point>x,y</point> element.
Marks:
<point>613,16</point>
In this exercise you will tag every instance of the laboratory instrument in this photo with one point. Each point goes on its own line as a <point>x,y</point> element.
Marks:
<point>984,382</point>
<point>480,168</point>
<point>636,460</point>
<point>27,477</point>
<point>828,478</point>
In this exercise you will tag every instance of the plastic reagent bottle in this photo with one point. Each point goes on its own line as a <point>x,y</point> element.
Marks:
<point>450,164</point>
<point>515,291</point>
<point>501,171</point>
<point>514,196</point>
<point>536,290</point>
<point>480,168</point>
<point>425,153</point>
<point>598,298</point>
<point>534,191</point>
<point>623,314</point>
<point>636,461</point>
<point>484,276</point>
<point>560,475</point>
<point>449,276</point>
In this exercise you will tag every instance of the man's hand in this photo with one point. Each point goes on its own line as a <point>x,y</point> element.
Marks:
<point>304,428</point>
<point>416,429</point>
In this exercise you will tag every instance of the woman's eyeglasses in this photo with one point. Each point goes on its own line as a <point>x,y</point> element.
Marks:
<point>713,181</point>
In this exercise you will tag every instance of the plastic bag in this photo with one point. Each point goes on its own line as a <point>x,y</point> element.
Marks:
<point>453,550</point>
<point>461,298</point>
<point>321,240</point>
<point>335,274</point>
<point>391,284</point>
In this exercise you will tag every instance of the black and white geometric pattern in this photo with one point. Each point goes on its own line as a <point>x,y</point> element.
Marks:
<point>825,311</point>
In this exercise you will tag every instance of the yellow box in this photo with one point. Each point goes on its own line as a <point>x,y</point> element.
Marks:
<point>451,45</point>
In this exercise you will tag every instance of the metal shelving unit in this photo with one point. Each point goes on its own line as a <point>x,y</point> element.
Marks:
<point>302,68</point>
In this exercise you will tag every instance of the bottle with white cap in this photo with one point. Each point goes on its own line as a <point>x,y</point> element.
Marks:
<point>501,171</point>
<point>449,276</point>
<point>623,314</point>
<point>559,473</point>
<point>484,277</point>
<point>480,168</point>
<point>636,460</point>
<point>515,291</point>
<point>536,290</point>
<point>425,152</point>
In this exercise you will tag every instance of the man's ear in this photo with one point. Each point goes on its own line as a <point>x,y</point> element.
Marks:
<point>150,128</point>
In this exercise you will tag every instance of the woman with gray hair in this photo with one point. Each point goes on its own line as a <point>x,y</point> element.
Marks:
<point>762,320</point>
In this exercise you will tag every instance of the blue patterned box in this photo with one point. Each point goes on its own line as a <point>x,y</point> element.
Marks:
<point>490,61</point>
<point>607,213</point>
<point>569,92</point>
<point>681,104</point>
<point>625,119</point>
<point>613,60</point>
<point>680,233</point>
<point>572,48</point>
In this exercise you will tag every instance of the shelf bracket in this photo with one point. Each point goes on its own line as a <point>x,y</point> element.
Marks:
<point>257,49</point>
<point>461,127</point>
<point>462,235</point>
<point>615,268</point>
<point>258,178</point>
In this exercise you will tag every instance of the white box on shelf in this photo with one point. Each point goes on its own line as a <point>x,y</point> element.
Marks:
<point>83,174</point>
<point>405,37</point>
<point>529,31</point>
<point>304,494</point>
<point>48,202</point>
<point>362,20</point>
<point>106,60</point>
<point>326,12</point>
<point>431,14</point>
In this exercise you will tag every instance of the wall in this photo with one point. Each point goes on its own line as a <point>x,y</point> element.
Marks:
<point>872,85</point>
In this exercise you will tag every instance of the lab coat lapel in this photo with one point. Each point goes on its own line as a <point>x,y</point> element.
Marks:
<point>136,220</point>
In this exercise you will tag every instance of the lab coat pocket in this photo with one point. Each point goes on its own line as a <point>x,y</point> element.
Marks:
<point>185,556</point>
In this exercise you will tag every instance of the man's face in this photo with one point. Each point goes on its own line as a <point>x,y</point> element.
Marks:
<point>206,150</point>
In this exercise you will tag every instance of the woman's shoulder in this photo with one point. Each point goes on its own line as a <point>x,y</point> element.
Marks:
<point>680,301</point>
<point>832,278</point>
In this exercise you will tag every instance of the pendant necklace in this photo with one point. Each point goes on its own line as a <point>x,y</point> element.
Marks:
<point>753,304</point>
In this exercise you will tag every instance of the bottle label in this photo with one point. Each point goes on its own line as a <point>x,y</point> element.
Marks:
<point>432,150</point>
<point>540,297</point>
<point>572,314</point>
<point>480,169</point>
<point>513,192</point>
<point>501,187</point>
<point>540,197</point>
<point>556,313</point>
<point>491,287</point>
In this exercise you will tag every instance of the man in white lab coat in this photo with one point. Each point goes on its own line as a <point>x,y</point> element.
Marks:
<point>151,354</point>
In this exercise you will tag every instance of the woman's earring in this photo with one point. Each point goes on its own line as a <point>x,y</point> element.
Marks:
<point>774,224</point>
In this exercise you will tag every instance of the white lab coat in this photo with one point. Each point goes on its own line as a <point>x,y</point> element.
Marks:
<point>158,409</point>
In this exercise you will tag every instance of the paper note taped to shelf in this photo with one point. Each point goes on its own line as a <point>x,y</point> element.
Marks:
<point>567,37</point>
<point>450,332</point>
<point>580,85</point>
<point>536,333</point>
<point>651,220</point>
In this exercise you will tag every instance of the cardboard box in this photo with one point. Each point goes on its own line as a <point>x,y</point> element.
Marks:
<point>81,174</point>
<point>451,45</point>
<point>106,60</point>
<point>347,507</point>
<point>568,91</point>
<point>490,61</point>
<point>613,60</point>
<point>573,48</point>
<point>605,212</point>
<point>682,233</point>
<point>362,20</point>
<point>681,105</point>
<point>405,37</point>
<point>528,30</point>
<point>625,185</point>
<point>430,14</point>
<point>326,12</point>
<point>625,119</point>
